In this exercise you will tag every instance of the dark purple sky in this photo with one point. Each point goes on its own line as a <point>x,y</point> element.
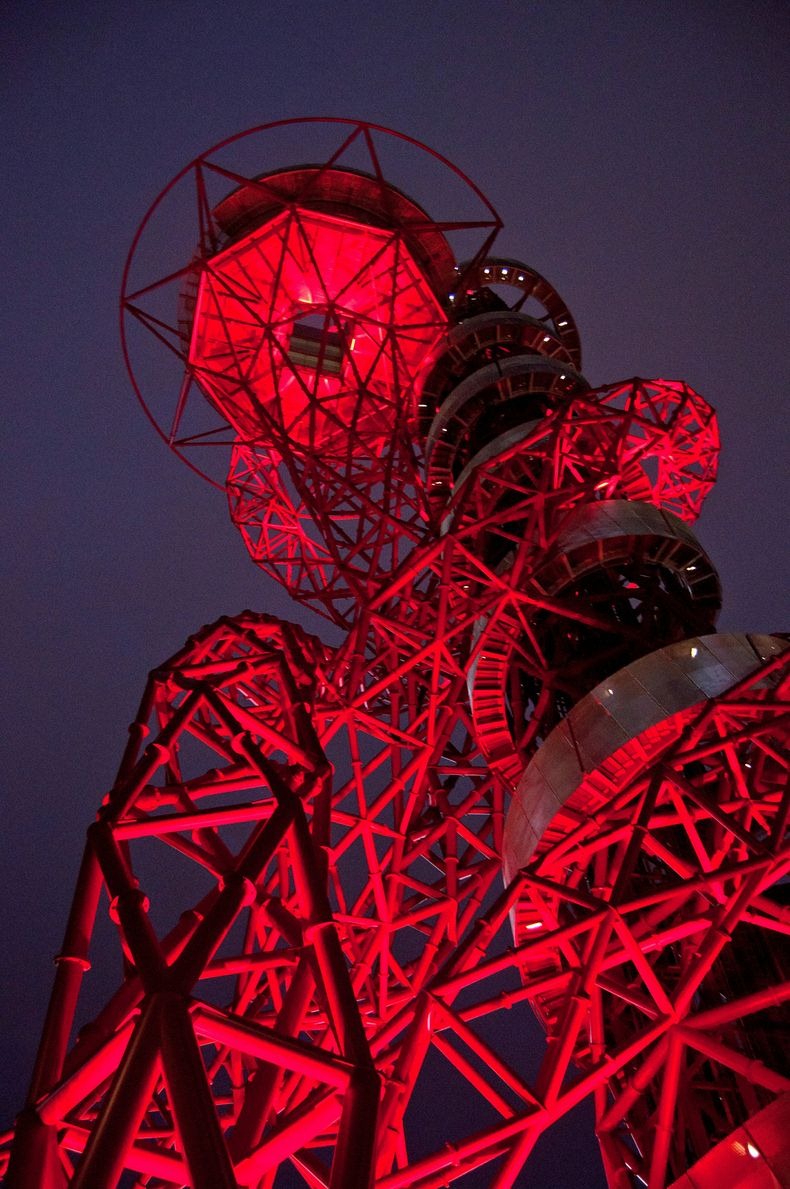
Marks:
<point>635,153</point>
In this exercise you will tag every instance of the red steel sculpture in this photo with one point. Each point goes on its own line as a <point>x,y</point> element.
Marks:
<point>528,779</point>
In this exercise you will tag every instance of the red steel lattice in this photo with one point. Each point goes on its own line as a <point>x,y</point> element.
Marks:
<point>303,852</point>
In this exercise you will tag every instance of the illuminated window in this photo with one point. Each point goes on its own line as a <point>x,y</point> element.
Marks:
<point>316,346</point>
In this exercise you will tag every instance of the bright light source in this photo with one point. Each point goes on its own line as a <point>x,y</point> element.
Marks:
<point>547,338</point>
<point>753,1152</point>
<point>535,925</point>
<point>694,651</point>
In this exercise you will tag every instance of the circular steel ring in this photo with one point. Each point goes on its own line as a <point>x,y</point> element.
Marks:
<point>499,270</point>
<point>473,343</point>
<point>489,386</point>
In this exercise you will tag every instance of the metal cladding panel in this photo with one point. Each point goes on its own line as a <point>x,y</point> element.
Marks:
<point>491,376</point>
<point>498,445</point>
<point>605,727</point>
<point>595,730</point>
<point>608,519</point>
<point>560,767</point>
<point>755,1155</point>
<point>614,532</point>
<point>746,650</point>
<point>522,835</point>
<point>633,704</point>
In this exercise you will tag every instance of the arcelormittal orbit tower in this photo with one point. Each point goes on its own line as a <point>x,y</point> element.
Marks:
<point>381,911</point>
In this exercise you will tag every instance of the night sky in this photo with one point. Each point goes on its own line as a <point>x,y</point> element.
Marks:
<point>635,153</point>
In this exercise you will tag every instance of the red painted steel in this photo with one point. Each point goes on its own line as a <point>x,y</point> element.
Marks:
<point>302,852</point>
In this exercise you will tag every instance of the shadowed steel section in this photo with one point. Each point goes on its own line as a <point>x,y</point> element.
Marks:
<point>620,577</point>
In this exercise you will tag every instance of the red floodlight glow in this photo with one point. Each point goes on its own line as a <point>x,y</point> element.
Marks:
<point>376,311</point>
<point>529,686</point>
